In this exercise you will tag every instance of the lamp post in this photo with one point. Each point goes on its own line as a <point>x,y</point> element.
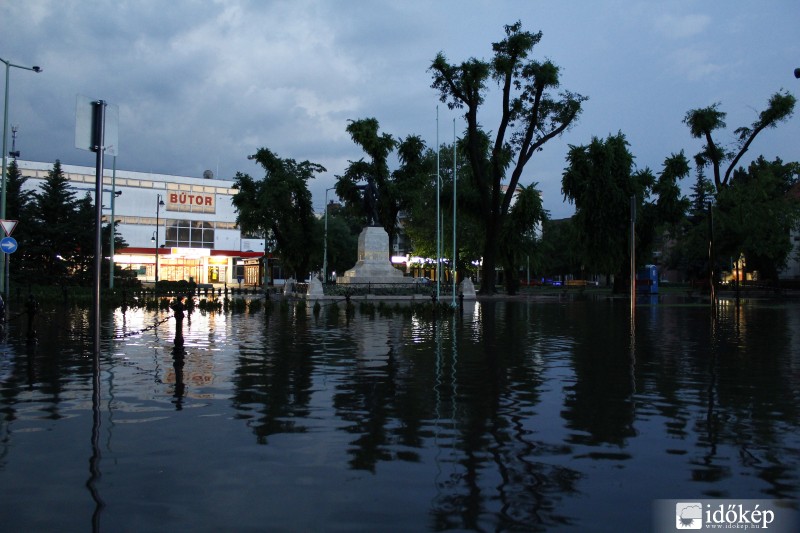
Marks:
<point>159,203</point>
<point>325,245</point>
<point>269,244</point>
<point>8,65</point>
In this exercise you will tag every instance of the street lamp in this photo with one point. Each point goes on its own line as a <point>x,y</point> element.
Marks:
<point>159,203</point>
<point>325,247</point>
<point>8,65</point>
<point>269,245</point>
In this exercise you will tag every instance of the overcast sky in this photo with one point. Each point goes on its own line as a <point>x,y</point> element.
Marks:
<point>203,84</point>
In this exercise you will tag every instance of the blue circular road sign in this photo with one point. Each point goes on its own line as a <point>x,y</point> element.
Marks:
<point>8,245</point>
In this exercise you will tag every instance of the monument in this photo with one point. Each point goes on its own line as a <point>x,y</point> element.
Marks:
<point>373,264</point>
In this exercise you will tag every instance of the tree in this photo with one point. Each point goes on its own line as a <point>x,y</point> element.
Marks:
<point>342,245</point>
<point>280,205</point>
<point>600,180</point>
<point>377,146</point>
<point>690,252</point>
<point>19,206</point>
<point>54,242</point>
<point>416,178</point>
<point>82,261</point>
<point>518,240</point>
<point>703,122</point>
<point>559,248</point>
<point>530,116</point>
<point>755,215</point>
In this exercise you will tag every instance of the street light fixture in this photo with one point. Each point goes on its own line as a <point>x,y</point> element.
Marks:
<point>8,65</point>
<point>159,203</point>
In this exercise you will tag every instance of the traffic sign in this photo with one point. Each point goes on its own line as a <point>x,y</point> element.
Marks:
<point>8,245</point>
<point>8,225</point>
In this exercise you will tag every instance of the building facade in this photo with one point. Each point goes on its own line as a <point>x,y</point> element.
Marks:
<point>176,227</point>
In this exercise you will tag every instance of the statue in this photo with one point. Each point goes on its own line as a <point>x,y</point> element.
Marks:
<point>371,202</point>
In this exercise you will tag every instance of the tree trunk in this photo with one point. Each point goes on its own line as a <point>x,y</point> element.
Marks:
<point>490,250</point>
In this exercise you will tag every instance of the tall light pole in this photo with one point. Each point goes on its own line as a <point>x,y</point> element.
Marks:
<point>438,216</point>
<point>8,65</point>
<point>111,222</point>
<point>325,245</point>
<point>159,203</point>
<point>455,254</point>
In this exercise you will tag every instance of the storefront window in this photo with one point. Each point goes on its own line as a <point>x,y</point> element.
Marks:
<point>189,234</point>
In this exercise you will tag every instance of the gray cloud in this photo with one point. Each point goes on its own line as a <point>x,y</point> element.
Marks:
<point>201,85</point>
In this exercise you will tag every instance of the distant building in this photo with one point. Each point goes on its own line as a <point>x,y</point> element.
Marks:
<point>195,228</point>
<point>792,269</point>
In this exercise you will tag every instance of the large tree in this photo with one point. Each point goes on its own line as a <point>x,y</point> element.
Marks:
<point>755,214</point>
<point>520,239</point>
<point>530,115</point>
<point>600,180</point>
<point>279,206</point>
<point>378,147</point>
<point>705,121</point>
<point>55,226</point>
<point>416,177</point>
<point>19,207</point>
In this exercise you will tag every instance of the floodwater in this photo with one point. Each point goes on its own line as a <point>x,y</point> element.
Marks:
<point>549,414</point>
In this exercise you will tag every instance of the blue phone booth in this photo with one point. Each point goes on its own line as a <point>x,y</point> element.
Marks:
<point>647,280</point>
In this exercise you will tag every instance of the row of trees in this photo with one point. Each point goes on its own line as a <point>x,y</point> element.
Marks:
<point>55,230</point>
<point>498,217</point>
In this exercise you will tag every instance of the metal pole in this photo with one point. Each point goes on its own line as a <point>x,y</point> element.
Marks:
<point>111,239</point>
<point>325,245</point>
<point>3,256</point>
<point>438,216</point>
<point>3,278</point>
<point>158,208</point>
<point>455,254</point>
<point>99,117</point>
<point>711,257</point>
<point>633,253</point>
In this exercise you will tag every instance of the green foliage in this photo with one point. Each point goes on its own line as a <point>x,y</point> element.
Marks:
<point>419,183</point>
<point>600,180</point>
<point>280,206</point>
<point>560,249</point>
<point>518,240</point>
<point>530,116</point>
<point>705,121</point>
<point>755,215</point>
<point>378,147</point>
<point>54,219</point>
<point>56,231</point>
<point>342,242</point>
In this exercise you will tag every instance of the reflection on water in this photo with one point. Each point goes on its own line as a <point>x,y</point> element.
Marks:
<point>509,415</point>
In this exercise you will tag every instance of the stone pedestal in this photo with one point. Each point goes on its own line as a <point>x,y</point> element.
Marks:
<point>373,264</point>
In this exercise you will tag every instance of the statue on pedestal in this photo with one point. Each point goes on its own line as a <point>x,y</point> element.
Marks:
<point>371,202</point>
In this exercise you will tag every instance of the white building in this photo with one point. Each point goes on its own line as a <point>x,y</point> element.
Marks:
<point>194,228</point>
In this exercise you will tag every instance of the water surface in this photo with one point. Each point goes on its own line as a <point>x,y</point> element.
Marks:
<point>522,415</point>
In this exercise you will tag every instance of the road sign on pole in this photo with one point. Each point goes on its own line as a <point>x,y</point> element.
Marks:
<point>8,226</point>
<point>8,245</point>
